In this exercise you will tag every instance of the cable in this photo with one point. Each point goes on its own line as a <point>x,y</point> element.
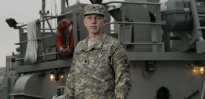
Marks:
<point>56,8</point>
<point>56,11</point>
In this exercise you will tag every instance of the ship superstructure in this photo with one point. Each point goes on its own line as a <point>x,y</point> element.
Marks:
<point>164,43</point>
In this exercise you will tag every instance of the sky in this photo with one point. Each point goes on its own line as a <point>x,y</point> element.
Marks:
<point>23,11</point>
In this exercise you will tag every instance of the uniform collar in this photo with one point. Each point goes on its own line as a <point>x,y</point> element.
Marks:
<point>97,45</point>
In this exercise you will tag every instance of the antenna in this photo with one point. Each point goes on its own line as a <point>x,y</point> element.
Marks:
<point>43,8</point>
<point>56,11</point>
<point>51,11</point>
<point>78,1</point>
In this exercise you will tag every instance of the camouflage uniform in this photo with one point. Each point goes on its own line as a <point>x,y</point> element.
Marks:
<point>99,72</point>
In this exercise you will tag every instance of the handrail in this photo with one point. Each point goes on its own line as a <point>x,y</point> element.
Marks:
<point>38,38</point>
<point>128,2</point>
<point>142,43</point>
<point>42,28</point>
<point>123,22</point>
<point>41,20</point>
<point>144,23</point>
<point>19,59</point>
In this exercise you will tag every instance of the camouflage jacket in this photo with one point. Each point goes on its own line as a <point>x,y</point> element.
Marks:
<point>99,72</point>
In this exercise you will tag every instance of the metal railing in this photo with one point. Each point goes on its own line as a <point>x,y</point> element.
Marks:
<point>141,23</point>
<point>128,2</point>
<point>123,22</point>
<point>19,59</point>
<point>38,38</point>
<point>51,17</point>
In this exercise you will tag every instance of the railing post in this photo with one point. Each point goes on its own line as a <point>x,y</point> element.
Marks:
<point>38,27</point>
<point>75,28</point>
<point>158,27</point>
<point>21,45</point>
<point>123,20</point>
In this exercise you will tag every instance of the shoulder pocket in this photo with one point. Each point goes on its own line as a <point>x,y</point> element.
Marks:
<point>119,54</point>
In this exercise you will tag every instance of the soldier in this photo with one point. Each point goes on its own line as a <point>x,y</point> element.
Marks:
<point>100,68</point>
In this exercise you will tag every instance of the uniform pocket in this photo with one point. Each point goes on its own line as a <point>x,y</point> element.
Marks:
<point>104,69</point>
<point>95,58</point>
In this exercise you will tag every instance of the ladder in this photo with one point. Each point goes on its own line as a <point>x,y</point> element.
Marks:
<point>197,33</point>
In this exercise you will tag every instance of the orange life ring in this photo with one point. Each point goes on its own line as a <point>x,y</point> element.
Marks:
<point>63,25</point>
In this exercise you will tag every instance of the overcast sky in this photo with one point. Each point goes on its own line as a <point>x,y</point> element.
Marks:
<point>22,11</point>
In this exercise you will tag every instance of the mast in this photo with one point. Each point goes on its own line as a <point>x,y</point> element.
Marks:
<point>43,10</point>
<point>62,6</point>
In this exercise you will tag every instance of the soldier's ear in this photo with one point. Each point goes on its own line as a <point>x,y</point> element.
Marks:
<point>84,22</point>
<point>104,22</point>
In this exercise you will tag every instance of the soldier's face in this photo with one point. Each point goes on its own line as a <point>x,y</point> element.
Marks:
<point>94,23</point>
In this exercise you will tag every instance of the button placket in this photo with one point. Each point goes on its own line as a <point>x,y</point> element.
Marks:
<point>85,62</point>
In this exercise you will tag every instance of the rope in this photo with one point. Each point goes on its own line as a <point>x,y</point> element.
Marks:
<point>32,45</point>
